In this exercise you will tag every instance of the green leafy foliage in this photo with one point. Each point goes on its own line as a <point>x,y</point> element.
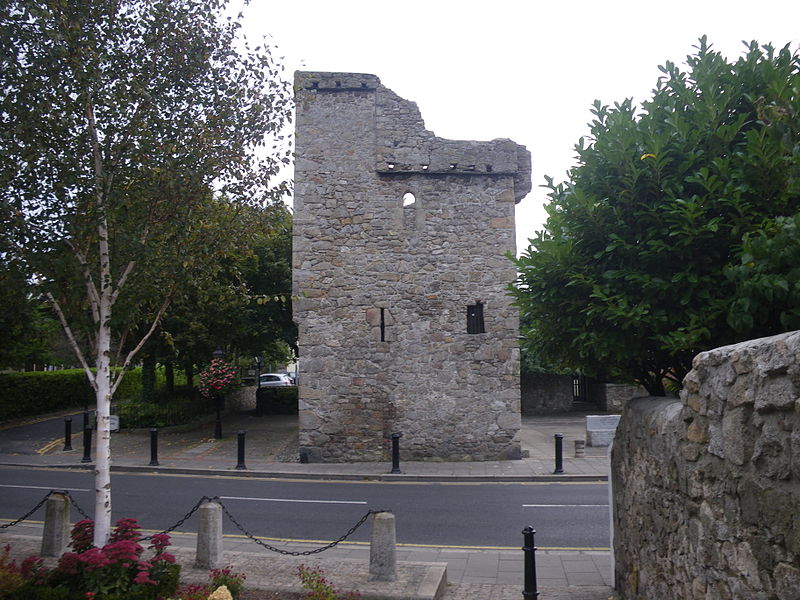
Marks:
<point>627,280</point>
<point>35,393</point>
<point>277,400</point>
<point>319,588</point>
<point>131,143</point>
<point>767,280</point>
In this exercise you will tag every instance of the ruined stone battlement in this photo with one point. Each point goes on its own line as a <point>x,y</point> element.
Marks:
<point>403,145</point>
<point>400,269</point>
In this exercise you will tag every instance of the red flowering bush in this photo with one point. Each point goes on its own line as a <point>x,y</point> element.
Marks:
<point>10,577</point>
<point>116,571</point>
<point>217,377</point>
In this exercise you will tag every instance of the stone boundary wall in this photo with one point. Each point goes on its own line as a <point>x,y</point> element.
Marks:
<point>617,395</point>
<point>241,399</point>
<point>544,394</point>
<point>706,488</point>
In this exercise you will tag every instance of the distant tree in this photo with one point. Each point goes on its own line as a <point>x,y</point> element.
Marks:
<point>28,329</point>
<point>627,280</point>
<point>126,126</point>
<point>247,309</point>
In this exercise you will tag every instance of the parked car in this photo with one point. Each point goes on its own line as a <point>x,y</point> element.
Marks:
<point>275,379</point>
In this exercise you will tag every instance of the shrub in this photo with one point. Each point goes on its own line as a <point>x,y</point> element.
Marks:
<point>117,571</point>
<point>176,411</point>
<point>35,393</point>
<point>227,577</point>
<point>10,577</point>
<point>224,579</point>
<point>276,400</point>
<point>320,588</point>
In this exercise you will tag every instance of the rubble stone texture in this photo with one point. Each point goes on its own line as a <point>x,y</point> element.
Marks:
<point>396,233</point>
<point>707,488</point>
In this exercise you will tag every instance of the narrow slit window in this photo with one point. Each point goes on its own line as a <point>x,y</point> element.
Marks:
<point>383,324</point>
<point>475,318</point>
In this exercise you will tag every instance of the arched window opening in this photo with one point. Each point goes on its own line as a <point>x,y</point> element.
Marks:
<point>408,199</point>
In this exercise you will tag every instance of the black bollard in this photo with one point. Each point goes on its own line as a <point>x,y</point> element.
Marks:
<point>559,454</point>
<point>86,419</point>
<point>240,450</point>
<point>531,588</point>
<point>67,433</point>
<point>396,452</point>
<point>154,447</point>
<point>87,445</point>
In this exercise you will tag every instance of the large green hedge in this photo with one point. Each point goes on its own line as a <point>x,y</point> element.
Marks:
<point>276,400</point>
<point>35,393</point>
<point>183,406</point>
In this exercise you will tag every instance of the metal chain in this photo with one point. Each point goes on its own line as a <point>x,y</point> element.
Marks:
<point>182,521</point>
<point>29,513</point>
<point>291,553</point>
<point>194,509</point>
<point>75,504</point>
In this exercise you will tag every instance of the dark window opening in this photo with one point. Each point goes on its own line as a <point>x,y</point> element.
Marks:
<point>475,318</point>
<point>383,324</point>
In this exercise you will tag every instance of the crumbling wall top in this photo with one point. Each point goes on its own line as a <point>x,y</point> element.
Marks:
<point>405,146</point>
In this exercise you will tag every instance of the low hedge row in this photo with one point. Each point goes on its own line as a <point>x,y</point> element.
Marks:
<point>276,401</point>
<point>184,406</point>
<point>38,392</point>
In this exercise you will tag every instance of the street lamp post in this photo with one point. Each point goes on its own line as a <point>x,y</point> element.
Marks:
<point>258,372</point>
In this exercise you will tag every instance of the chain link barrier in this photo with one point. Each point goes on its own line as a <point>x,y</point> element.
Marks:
<point>29,513</point>
<point>263,544</point>
<point>181,521</point>
<point>75,504</point>
<point>194,509</point>
<point>41,503</point>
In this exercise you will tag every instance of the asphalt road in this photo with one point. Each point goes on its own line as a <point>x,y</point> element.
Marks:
<point>28,437</point>
<point>565,515</point>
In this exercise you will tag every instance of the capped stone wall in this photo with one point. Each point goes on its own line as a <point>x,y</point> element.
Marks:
<point>398,235</point>
<point>706,489</point>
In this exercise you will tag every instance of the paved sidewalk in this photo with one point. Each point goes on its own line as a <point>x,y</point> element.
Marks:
<point>471,574</point>
<point>271,450</point>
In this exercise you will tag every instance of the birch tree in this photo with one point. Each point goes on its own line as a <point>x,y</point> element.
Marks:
<point>125,126</point>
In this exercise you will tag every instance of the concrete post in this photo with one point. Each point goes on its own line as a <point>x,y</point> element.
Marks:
<point>55,535</point>
<point>580,448</point>
<point>209,536</point>
<point>382,555</point>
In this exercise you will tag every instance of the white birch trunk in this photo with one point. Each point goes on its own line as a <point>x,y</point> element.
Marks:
<point>102,461</point>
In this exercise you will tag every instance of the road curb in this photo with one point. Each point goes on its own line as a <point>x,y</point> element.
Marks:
<point>378,477</point>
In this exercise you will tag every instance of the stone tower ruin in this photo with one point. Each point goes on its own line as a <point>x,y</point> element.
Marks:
<point>400,275</point>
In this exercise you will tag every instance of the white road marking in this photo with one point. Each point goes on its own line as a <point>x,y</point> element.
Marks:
<point>37,487</point>
<point>294,500</point>
<point>562,505</point>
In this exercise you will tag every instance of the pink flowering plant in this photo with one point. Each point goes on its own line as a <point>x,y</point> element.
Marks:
<point>116,571</point>
<point>218,377</point>
<point>319,588</point>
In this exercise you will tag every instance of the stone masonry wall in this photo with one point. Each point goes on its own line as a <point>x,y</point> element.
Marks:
<point>543,393</point>
<point>383,284</point>
<point>616,395</point>
<point>707,488</point>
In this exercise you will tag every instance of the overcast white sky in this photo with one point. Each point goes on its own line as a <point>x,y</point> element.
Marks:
<point>524,70</point>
